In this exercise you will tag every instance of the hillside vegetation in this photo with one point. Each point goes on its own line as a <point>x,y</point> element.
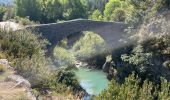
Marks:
<point>136,71</point>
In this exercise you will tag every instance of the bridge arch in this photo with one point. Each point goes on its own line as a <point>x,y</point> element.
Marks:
<point>111,32</point>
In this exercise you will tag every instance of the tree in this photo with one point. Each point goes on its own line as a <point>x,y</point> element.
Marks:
<point>85,50</point>
<point>117,8</point>
<point>96,4</point>
<point>51,10</point>
<point>132,90</point>
<point>97,15</point>
<point>2,12</point>
<point>30,8</point>
<point>73,9</point>
<point>119,15</point>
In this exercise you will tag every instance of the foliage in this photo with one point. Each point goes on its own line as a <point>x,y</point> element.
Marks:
<point>96,15</point>
<point>2,55</point>
<point>139,58</point>
<point>28,8</point>
<point>95,45</point>
<point>46,11</point>
<point>26,51</point>
<point>116,8</point>
<point>73,9</point>
<point>68,78</point>
<point>9,14</point>
<point>119,15</point>
<point>132,90</point>
<point>150,59</point>
<point>51,10</point>
<point>2,12</point>
<point>143,9</point>
<point>63,57</point>
<point>36,70</point>
<point>62,81</point>
<point>21,44</point>
<point>23,21</point>
<point>150,55</point>
<point>96,4</point>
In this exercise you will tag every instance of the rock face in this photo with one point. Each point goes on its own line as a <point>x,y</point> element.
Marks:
<point>14,85</point>
<point>5,63</point>
<point>19,80</point>
<point>8,25</point>
<point>106,67</point>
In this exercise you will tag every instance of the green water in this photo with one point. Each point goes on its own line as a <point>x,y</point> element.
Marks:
<point>93,81</point>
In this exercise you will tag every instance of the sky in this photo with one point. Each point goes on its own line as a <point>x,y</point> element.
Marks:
<point>6,1</point>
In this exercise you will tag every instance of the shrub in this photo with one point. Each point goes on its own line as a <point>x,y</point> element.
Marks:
<point>117,10</point>
<point>26,51</point>
<point>2,12</point>
<point>84,50</point>
<point>21,44</point>
<point>2,55</point>
<point>63,57</point>
<point>23,21</point>
<point>97,15</point>
<point>132,90</point>
<point>9,14</point>
<point>68,78</point>
<point>119,15</point>
<point>36,69</point>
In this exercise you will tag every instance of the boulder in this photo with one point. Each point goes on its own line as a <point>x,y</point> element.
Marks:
<point>5,63</point>
<point>21,82</point>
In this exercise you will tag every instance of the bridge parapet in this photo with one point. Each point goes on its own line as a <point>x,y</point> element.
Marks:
<point>111,32</point>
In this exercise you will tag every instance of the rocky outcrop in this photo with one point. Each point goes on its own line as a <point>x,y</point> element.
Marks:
<point>14,85</point>
<point>9,25</point>
<point>5,63</point>
<point>106,66</point>
<point>19,80</point>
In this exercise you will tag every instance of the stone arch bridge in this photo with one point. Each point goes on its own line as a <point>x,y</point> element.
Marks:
<point>111,32</point>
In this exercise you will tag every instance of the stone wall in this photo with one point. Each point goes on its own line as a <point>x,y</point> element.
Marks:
<point>111,32</point>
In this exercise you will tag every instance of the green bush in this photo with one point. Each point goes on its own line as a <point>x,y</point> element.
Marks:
<point>97,15</point>
<point>36,69</point>
<point>63,57</point>
<point>2,55</point>
<point>117,10</point>
<point>84,50</point>
<point>9,14</point>
<point>26,51</point>
<point>2,12</point>
<point>21,44</point>
<point>68,78</point>
<point>119,15</point>
<point>132,89</point>
<point>23,21</point>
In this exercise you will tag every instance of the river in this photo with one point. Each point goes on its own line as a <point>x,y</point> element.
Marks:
<point>93,81</point>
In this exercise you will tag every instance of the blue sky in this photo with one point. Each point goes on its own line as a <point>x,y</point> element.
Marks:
<point>6,1</point>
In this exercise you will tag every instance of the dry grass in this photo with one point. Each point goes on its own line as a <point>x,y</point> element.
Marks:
<point>2,69</point>
<point>4,73</point>
<point>7,92</point>
<point>2,56</point>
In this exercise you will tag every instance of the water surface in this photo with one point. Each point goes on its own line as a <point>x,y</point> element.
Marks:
<point>93,81</point>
